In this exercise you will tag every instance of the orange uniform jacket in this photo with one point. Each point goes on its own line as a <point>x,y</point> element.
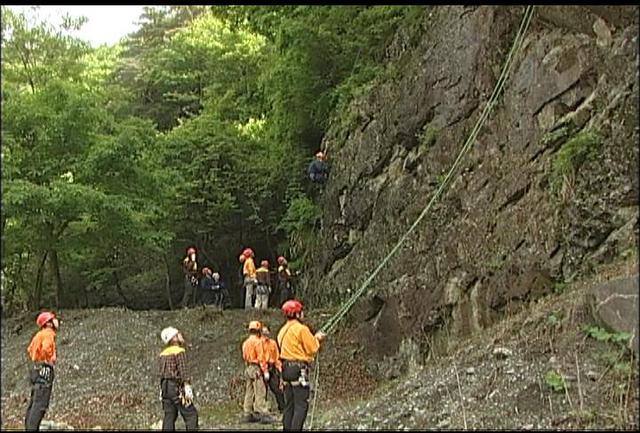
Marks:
<point>43,346</point>
<point>271,351</point>
<point>253,352</point>
<point>297,343</point>
<point>249,268</point>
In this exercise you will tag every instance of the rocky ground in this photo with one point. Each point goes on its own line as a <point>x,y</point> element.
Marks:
<point>501,378</point>
<point>107,364</point>
<point>504,378</point>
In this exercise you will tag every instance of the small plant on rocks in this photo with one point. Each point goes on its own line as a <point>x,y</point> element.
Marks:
<point>554,380</point>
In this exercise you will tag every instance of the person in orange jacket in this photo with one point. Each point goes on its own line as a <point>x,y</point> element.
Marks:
<point>42,351</point>
<point>256,373</point>
<point>249,273</point>
<point>298,347</point>
<point>275,366</point>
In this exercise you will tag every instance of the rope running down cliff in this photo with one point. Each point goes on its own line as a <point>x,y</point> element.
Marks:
<point>331,324</point>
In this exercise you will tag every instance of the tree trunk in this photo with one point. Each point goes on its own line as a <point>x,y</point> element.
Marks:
<point>37,296</point>
<point>55,268</point>
<point>119,289</point>
<point>168,282</point>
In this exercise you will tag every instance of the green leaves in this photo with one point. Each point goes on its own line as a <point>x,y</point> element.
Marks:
<point>601,334</point>
<point>555,381</point>
<point>196,128</point>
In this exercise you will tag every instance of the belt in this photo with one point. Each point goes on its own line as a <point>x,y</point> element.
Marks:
<point>301,363</point>
<point>173,379</point>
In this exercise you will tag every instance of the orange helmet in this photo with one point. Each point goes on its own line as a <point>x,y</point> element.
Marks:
<point>282,260</point>
<point>264,263</point>
<point>254,325</point>
<point>248,252</point>
<point>292,307</point>
<point>242,258</point>
<point>191,250</point>
<point>44,317</point>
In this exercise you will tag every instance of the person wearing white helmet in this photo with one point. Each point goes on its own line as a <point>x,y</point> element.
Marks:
<point>175,382</point>
<point>220,294</point>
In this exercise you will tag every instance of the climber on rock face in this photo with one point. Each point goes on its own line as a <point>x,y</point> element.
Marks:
<point>318,169</point>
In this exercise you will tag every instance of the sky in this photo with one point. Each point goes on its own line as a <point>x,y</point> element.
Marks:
<point>105,24</point>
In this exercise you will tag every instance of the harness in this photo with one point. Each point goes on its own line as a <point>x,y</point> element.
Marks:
<point>303,366</point>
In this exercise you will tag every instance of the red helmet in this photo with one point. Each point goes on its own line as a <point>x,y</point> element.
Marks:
<point>44,317</point>
<point>282,260</point>
<point>248,252</point>
<point>191,250</point>
<point>242,258</point>
<point>264,263</point>
<point>292,307</point>
<point>206,271</point>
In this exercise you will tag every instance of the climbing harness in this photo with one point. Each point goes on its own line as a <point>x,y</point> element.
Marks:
<point>331,324</point>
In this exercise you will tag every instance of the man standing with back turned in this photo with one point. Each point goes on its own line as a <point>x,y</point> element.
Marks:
<point>298,346</point>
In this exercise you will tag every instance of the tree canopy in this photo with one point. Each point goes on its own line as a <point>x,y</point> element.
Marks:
<point>194,130</point>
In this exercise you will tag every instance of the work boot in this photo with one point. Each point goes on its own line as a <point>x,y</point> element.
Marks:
<point>267,419</point>
<point>250,418</point>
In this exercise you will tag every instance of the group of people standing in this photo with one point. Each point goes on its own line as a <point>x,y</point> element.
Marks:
<point>257,283</point>
<point>206,287</point>
<point>281,365</point>
<point>203,287</point>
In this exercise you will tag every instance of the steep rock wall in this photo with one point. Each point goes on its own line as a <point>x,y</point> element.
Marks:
<point>516,223</point>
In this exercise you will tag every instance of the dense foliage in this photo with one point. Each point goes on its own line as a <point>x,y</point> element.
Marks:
<point>194,130</point>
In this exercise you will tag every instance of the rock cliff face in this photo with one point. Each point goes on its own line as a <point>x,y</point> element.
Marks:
<point>549,189</point>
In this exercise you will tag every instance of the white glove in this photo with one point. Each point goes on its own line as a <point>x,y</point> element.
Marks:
<point>188,392</point>
<point>320,335</point>
<point>266,375</point>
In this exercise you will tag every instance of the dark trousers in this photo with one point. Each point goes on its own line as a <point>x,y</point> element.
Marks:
<point>274,382</point>
<point>171,405</point>
<point>296,404</point>
<point>217,298</point>
<point>190,291</point>
<point>39,402</point>
<point>286,293</point>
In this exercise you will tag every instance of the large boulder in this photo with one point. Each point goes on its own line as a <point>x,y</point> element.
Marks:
<point>614,305</point>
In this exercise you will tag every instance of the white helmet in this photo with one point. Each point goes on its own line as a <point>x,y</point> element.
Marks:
<point>168,333</point>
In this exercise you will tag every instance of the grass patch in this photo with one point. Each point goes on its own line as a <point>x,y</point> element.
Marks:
<point>576,151</point>
<point>427,135</point>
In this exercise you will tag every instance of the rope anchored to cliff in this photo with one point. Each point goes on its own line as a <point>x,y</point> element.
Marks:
<point>331,324</point>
